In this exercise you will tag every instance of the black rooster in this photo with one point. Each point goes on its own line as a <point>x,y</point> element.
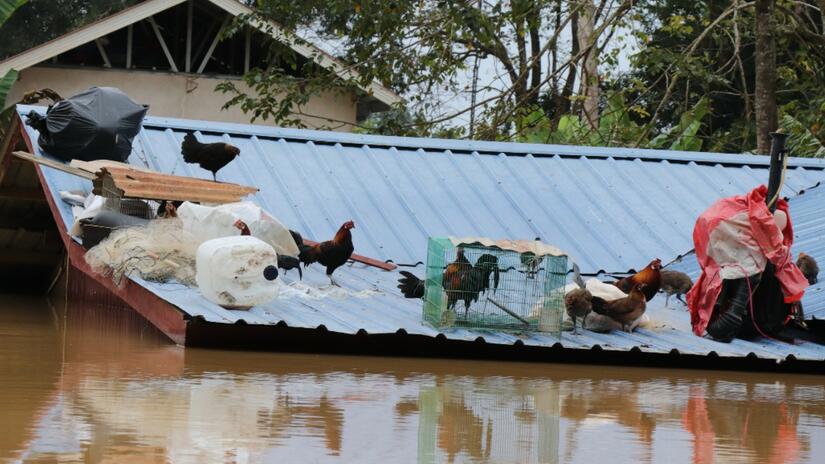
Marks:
<point>210,156</point>
<point>464,283</point>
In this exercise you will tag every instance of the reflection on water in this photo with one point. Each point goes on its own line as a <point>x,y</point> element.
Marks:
<point>80,384</point>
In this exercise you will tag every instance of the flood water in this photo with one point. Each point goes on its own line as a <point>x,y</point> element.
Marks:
<point>85,384</point>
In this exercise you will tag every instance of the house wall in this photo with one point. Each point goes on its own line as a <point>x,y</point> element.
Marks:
<point>176,95</point>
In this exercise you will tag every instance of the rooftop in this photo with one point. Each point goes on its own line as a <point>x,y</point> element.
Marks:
<point>611,209</point>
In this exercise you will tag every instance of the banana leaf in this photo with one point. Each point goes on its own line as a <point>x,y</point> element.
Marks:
<point>7,7</point>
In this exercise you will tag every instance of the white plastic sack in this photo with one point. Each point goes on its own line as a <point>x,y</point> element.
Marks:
<point>92,205</point>
<point>211,222</point>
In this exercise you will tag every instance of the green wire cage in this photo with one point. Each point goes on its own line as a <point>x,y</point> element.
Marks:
<point>473,286</point>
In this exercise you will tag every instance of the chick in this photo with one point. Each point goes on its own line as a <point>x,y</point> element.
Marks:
<point>675,283</point>
<point>807,264</point>
<point>578,304</point>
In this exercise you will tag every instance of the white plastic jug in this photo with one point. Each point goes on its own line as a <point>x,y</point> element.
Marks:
<point>237,272</point>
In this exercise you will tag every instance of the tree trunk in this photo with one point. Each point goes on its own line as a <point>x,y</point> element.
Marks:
<point>765,85</point>
<point>590,69</point>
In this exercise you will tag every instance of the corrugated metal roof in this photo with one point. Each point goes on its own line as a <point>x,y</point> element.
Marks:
<point>610,209</point>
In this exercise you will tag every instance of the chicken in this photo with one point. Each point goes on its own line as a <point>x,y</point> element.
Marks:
<point>626,310</point>
<point>210,156</point>
<point>476,280</point>
<point>168,209</point>
<point>285,262</point>
<point>332,253</point>
<point>649,276</point>
<point>453,277</point>
<point>807,264</point>
<point>675,283</point>
<point>578,302</point>
<point>410,285</point>
<point>531,263</point>
<point>461,280</point>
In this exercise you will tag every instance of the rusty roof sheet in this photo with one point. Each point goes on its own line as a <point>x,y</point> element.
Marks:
<point>134,183</point>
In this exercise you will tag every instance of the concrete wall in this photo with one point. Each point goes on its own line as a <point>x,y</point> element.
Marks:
<point>174,95</point>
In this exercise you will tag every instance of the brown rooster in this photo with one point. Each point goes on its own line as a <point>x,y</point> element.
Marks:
<point>210,156</point>
<point>453,277</point>
<point>332,253</point>
<point>625,310</point>
<point>649,276</point>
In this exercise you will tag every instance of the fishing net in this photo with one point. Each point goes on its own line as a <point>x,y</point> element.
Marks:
<point>161,251</point>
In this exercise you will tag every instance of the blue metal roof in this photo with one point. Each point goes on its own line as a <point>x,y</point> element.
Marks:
<point>611,209</point>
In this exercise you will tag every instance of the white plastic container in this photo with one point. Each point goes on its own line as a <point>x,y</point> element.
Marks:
<point>237,272</point>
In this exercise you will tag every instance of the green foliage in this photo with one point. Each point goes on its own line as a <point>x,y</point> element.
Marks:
<point>801,140</point>
<point>5,85</point>
<point>38,21</point>
<point>7,7</point>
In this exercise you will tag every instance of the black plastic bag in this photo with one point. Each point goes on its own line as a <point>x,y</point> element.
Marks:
<point>98,123</point>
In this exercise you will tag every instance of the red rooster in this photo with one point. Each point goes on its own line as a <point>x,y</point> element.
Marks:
<point>332,253</point>
<point>649,276</point>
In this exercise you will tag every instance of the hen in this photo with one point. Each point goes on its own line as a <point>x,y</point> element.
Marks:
<point>285,262</point>
<point>649,276</point>
<point>675,283</point>
<point>332,253</point>
<point>626,310</point>
<point>807,264</point>
<point>210,156</point>
<point>578,302</point>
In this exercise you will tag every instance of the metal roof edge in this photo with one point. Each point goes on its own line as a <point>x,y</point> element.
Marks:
<point>465,146</point>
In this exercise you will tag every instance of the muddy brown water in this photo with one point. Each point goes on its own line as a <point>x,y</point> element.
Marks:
<point>91,384</point>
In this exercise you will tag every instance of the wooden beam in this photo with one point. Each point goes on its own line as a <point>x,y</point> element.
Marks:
<point>363,259</point>
<point>103,54</point>
<point>53,164</point>
<point>189,18</point>
<point>130,33</point>
<point>22,193</point>
<point>162,43</point>
<point>29,257</point>
<point>212,46</point>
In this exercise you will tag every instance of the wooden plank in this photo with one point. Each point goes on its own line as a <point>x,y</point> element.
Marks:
<point>363,259</point>
<point>53,164</point>
<point>163,44</point>
<point>97,165</point>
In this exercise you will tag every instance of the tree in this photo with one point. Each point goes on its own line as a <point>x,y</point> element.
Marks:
<point>423,50</point>
<point>765,65</point>
<point>7,8</point>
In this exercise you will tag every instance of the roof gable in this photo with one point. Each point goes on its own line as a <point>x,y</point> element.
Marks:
<point>149,8</point>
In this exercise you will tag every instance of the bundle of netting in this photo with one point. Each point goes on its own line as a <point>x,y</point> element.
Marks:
<point>161,251</point>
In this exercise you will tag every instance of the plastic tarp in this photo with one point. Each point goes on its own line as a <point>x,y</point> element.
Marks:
<point>736,237</point>
<point>98,123</point>
<point>210,222</point>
